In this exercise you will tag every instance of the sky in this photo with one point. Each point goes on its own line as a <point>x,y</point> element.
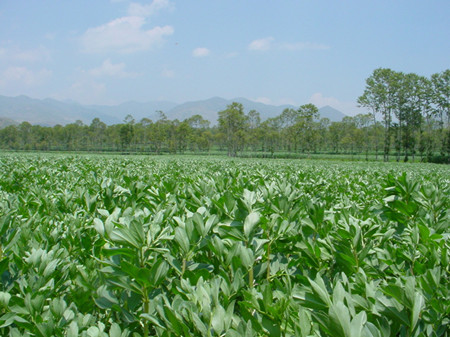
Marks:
<point>275,52</point>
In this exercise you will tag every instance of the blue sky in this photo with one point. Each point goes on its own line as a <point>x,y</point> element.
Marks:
<point>277,52</point>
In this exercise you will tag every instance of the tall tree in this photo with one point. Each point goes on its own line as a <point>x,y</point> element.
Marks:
<point>363,122</point>
<point>127,132</point>
<point>233,122</point>
<point>306,126</point>
<point>379,96</point>
<point>254,123</point>
<point>289,130</point>
<point>441,103</point>
<point>97,133</point>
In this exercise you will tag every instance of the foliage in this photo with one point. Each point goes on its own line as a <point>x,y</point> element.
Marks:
<point>141,246</point>
<point>414,112</point>
<point>417,103</point>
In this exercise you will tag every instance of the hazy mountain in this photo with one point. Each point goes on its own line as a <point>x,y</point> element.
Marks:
<point>331,113</point>
<point>46,112</point>
<point>136,109</point>
<point>51,112</point>
<point>209,108</point>
<point>4,122</point>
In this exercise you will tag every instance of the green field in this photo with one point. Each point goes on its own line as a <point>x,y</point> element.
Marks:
<point>97,245</point>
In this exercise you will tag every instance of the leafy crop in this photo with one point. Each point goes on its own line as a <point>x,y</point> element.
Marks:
<point>141,246</point>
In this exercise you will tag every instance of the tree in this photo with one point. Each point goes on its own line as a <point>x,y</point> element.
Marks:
<point>142,133</point>
<point>161,132</point>
<point>441,103</point>
<point>289,128</point>
<point>233,123</point>
<point>97,133</point>
<point>271,136</point>
<point>323,126</point>
<point>362,122</point>
<point>25,131</point>
<point>336,134</point>
<point>410,109</point>
<point>127,131</point>
<point>306,126</point>
<point>379,96</point>
<point>182,131</point>
<point>199,136</point>
<point>254,123</point>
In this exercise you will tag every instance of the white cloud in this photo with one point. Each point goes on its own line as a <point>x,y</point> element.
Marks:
<point>86,91</point>
<point>304,46</point>
<point>232,54</point>
<point>284,101</point>
<point>168,73</point>
<point>269,43</point>
<point>25,55</point>
<point>264,100</point>
<point>201,52</point>
<point>278,102</point>
<point>113,70</point>
<point>137,9</point>
<point>320,100</point>
<point>50,36</point>
<point>33,55</point>
<point>261,44</point>
<point>21,75</point>
<point>124,35</point>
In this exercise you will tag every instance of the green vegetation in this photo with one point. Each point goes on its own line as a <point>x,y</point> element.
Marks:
<point>414,112</point>
<point>190,246</point>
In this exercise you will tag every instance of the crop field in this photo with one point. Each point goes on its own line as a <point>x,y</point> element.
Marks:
<point>134,246</point>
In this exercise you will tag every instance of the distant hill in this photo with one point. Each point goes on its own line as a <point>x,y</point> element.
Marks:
<point>4,122</point>
<point>46,112</point>
<point>331,113</point>
<point>209,108</point>
<point>51,112</point>
<point>136,109</point>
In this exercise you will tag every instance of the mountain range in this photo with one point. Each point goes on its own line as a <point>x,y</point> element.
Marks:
<point>51,112</point>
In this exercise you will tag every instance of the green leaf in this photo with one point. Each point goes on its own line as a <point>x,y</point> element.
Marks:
<point>340,319</point>
<point>158,272</point>
<point>175,324</point>
<point>115,330</point>
<point>247,258</point>
<point>217,320</point>
<point>271,328</point>
<point>73,329</point>
<point>11,318</point>
<point>321,290</point>
<point>357,324</point>
<point>93,331</point>
<point>107,301</point>
<point>99,227</point>
<point>4,298</point>
<point>182,239</point>
<point>267,295</point>
<point>201,327</point>
<point>418,305</point>
<point>250,222</point>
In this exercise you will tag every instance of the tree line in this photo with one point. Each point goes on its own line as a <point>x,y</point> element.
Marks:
<point>414,122</point>
<point>415,111</point>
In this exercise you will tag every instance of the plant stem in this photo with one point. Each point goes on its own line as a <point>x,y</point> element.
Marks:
<point>183,268</point>
<point>250,277</point>
<point>146,309</point>
<point>268,261</point>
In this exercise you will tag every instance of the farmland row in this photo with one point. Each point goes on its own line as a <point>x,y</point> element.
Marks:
<point>142,246</point>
